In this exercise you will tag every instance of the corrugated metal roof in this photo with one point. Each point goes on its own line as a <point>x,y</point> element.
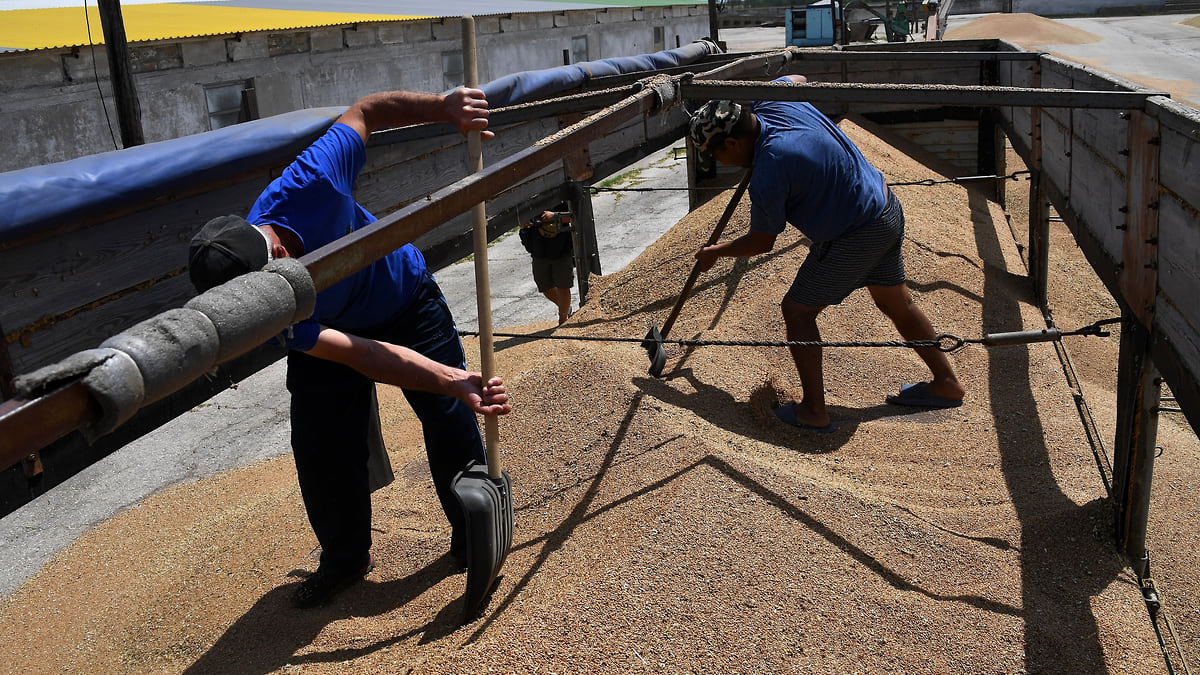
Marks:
<point>37,25</point>
<point>61,27</point>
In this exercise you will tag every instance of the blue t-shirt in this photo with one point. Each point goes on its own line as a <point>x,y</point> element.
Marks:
<point>314,198</point>
<point>808,173</point>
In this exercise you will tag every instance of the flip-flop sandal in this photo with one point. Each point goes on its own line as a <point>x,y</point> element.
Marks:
<point>787,414</point>
<point>917,395</point>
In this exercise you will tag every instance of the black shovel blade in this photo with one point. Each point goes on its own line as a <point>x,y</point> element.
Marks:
<point>487,507</point>
<point>654,349</point>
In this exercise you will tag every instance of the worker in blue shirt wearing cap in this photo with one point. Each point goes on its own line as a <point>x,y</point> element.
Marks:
<point>387,323</point>
<point>809,174</point>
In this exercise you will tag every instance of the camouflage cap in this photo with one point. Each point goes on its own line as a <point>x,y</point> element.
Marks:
<point>711,125</point>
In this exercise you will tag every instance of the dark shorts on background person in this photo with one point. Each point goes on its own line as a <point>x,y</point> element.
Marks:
<point>868,256</point>
<point>553,273</point>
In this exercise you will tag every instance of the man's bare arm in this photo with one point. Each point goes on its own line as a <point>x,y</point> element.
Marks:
<point>392,364</point>
<point>751,243</point>
<point>466,109</point>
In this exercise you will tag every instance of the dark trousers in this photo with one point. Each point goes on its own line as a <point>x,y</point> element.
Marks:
<point>331,410</point>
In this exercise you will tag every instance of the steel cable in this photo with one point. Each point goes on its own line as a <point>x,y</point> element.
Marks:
<point>945,342</point>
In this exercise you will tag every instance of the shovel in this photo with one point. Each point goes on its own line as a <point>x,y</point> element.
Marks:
<point>653,344</point>
<point>483,492</point>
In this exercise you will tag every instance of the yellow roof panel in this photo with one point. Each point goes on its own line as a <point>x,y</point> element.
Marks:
<point>70,26</point>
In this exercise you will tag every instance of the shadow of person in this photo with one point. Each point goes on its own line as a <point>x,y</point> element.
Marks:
<point>268,636</point>
<point>754,419</point>
<point>1063,563</point>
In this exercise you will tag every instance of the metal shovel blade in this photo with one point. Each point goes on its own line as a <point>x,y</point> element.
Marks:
<point>654,349</point>
<point>487,508</point>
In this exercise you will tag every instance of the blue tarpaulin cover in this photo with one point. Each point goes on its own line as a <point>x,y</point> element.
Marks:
<point>42,197</point>
<point>529,85</point>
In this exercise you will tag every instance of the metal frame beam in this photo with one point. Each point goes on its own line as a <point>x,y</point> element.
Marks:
<point>921,94</point>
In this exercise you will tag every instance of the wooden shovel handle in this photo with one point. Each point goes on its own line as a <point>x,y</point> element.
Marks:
<point>483,286</point>
<point>716,235</point>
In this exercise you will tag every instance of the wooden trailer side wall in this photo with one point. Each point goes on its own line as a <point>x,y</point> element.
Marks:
<point>1085,158</point>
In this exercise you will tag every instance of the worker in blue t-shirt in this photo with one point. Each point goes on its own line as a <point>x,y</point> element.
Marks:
<point>807,173</point>
<point>386,323</point>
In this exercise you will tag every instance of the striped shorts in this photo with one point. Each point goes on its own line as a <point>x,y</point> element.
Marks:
<point>868,256</point>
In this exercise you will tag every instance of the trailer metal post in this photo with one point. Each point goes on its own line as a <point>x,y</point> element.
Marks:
<point>587,252</point>
<point>1039,206</point>
<point>1138,391</point>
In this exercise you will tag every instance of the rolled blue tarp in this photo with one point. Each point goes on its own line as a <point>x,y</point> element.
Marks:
<point>41,197</point>
<point>534,84</point>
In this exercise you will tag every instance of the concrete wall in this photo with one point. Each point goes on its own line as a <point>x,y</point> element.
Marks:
<point>53,110</point>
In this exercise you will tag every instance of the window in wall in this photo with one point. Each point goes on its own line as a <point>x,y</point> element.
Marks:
<point>230,103</point>
<point>660,39</point>
<point>579,49</point>
<point>452,70</point>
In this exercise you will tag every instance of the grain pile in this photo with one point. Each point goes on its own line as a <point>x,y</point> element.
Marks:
<point>673,525</point>
<point>1028,30</point>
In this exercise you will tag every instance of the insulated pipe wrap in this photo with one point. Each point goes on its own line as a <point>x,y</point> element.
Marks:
<point>302,285</point>
<point>170,350</point>
<point>246,311</point>
<point>116,384</point>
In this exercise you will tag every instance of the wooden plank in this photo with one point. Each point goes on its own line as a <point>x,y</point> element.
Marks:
<point>1138,277</point>
<point>56,275</point>
<point>1179,367</point>
<point>1098,195</point>
<point>1138,393</point>
<point>1017,122</point>
<point>1017,74</point>
<point>1180,151</point>
<point>87,329</point>
<point>577,165</point>
<point>1102,133</point>
<point>959,75</point>
<point>1177,315</point>
<point>1056,149</point>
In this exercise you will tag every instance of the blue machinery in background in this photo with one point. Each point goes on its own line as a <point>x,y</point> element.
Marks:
<point>816,29</point>
<point>818,24</point>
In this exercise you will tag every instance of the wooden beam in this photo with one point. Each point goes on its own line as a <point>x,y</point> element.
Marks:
<point>1138,395</point>
<point>1138,273</point>
<point>1039,207</point>
<point>916,94</point>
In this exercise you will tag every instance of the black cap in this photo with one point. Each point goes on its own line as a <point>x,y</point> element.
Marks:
<point>226,247</point>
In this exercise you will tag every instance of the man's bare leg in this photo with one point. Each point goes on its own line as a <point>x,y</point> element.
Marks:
<point>801,321</point>
<point>897,304</point>
<point>562,298</point>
